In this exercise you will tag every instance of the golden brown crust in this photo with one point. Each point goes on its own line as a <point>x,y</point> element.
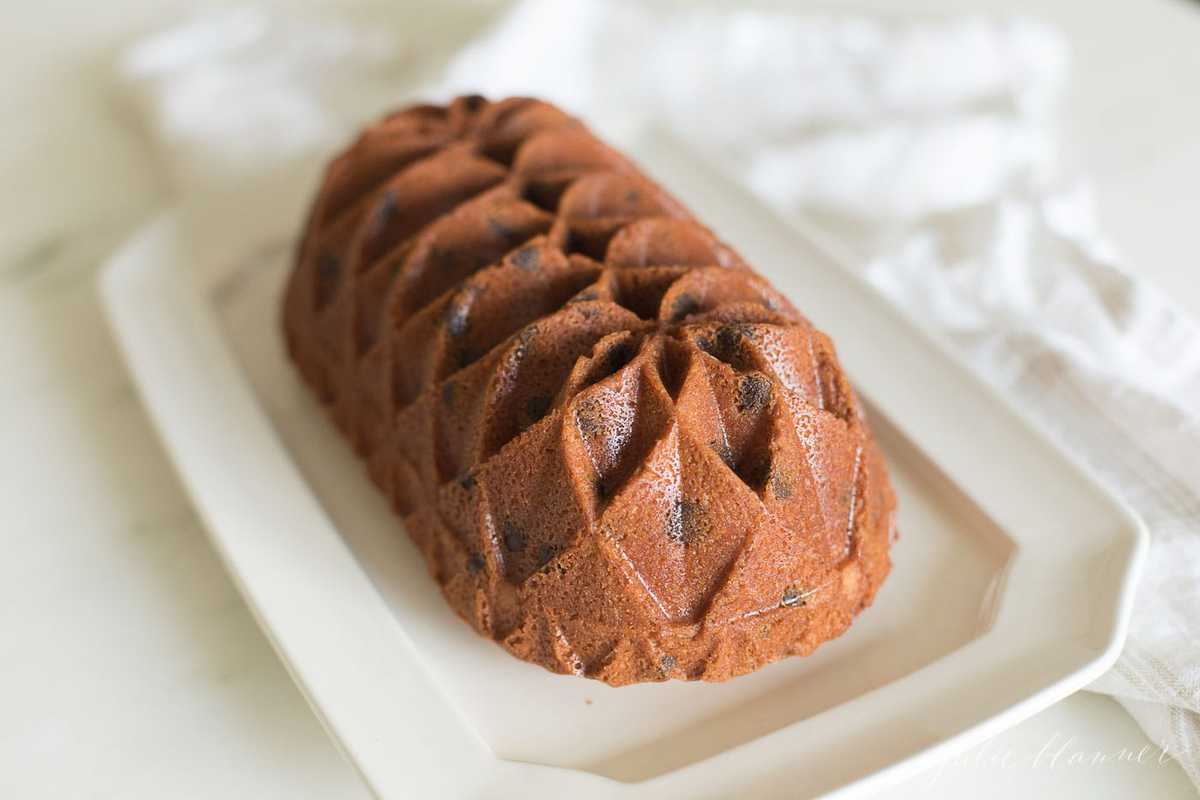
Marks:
<point>622,453</point>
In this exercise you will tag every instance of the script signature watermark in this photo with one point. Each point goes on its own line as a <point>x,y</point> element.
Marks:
<point>1059,752</point>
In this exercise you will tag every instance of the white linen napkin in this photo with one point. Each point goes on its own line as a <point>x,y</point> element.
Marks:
<point>926,147</point>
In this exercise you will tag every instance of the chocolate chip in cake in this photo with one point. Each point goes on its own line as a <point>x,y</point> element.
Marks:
<point>514,539</point>
<point>385,212</point>
<point>728,344</point>
<point>501,229</point>
<point>722,450</point>
<point>589,416</point>
<point>729,337</point>
<point>618,356</point>
<point>684,306</point>
<point>684,522</point>
<point>456,317</point>
<point>528,259</point>
<point>754,393</point>
<point>781,486</point>
<point>475,564</point>
<point>792,599</point>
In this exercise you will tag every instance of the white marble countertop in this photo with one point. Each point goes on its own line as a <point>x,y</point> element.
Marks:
<point>132,668</point>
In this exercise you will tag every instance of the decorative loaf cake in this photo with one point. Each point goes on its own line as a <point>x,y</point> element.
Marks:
<point>621,452</point>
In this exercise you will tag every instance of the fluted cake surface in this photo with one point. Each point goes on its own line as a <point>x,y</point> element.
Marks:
<point>622,453</point>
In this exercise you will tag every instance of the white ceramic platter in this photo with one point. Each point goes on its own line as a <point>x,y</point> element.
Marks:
<point>1011,586</point>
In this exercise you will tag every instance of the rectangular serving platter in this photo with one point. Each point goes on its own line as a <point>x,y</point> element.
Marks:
<point>1011,588</point>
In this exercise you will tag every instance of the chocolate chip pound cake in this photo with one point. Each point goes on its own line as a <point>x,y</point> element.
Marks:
<point>622,453</point>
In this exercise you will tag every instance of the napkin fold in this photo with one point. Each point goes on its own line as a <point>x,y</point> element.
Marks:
<point>927,148</point>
